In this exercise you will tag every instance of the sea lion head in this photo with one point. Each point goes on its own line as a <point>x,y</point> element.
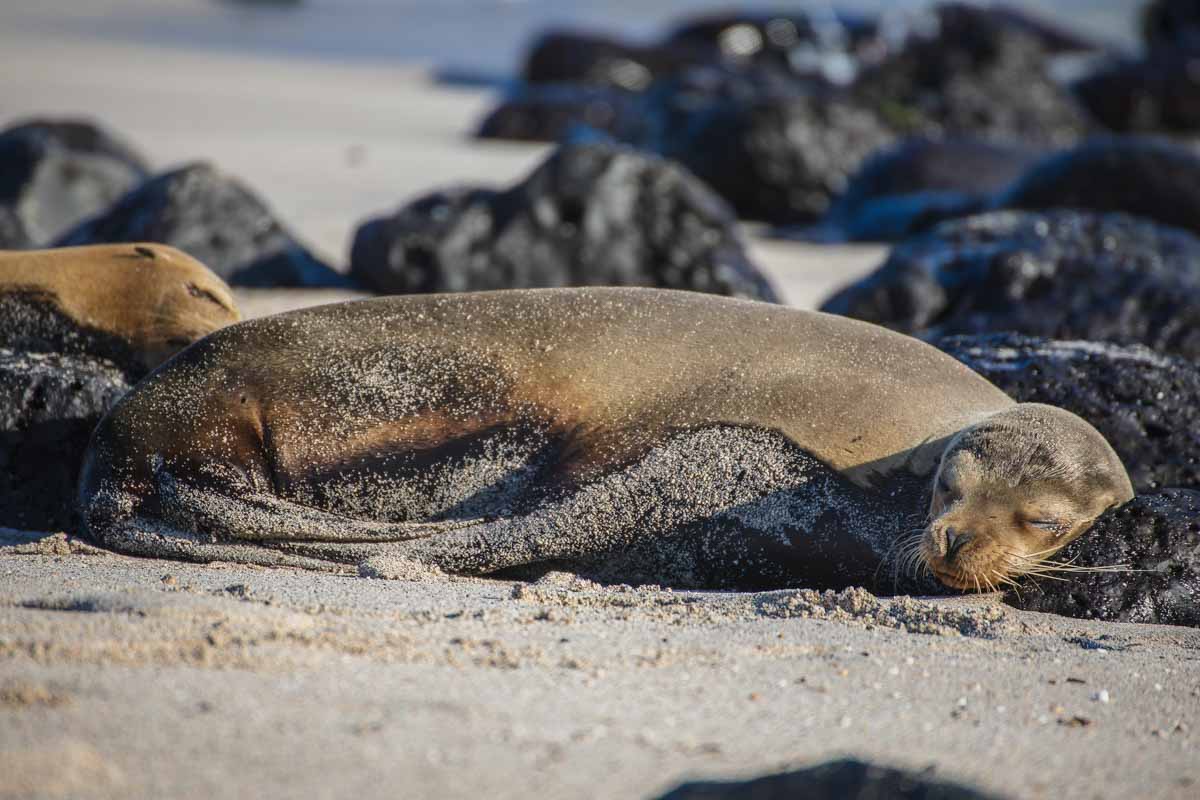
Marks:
<point>1012,490</point>
<point>175,301</point>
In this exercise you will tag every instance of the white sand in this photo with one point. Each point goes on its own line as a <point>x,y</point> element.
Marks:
<point>131,678</point>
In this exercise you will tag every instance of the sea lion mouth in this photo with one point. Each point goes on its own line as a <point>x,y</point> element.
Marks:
<point>957,573</point>
<point>953,579</point>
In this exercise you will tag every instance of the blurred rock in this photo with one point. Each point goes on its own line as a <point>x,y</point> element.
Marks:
<point>550,112</point>
<point>776,150</point>
<point>596,214</point>
<point>776,110</point>
<point>1150,552</point>
<point>824,43</point>
<point>49,404</point>
<point>582,58</point>
<point>1145,404</point>
<point>1058,274</point>
<point>909,187</point>
<point>1171,22</point>
<point>779,148</point>
<point>833,780</point>
<point>1052,36</point>
<point>1144,177</point>
<point>213,218</point>
<point>970,72</point>
<point>55,173</point>
<point>1160,93</point>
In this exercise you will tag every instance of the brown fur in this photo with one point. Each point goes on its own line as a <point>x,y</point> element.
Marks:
<point>155,298</point>
<point>595,377</point>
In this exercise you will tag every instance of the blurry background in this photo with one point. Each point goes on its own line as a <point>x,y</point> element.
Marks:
<point>336,110</point>
<point>483,35</point>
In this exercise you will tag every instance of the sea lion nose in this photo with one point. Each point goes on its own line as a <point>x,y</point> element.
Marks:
<point>955,539</point>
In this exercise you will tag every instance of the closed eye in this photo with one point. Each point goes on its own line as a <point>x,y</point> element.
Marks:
<point>204,294</point>
<point>1048,525</point>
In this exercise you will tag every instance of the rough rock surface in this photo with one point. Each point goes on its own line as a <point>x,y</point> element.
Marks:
<point>49,404</point>
<point>595,214</point>
<point>1147,178</point>
<point>55,173</point>
<point>215,219</point>
<point>1156,537</point>
<point>835,780</point>
<point>1147,405</point>
<point>909,187</point>
<point>1059,274</point>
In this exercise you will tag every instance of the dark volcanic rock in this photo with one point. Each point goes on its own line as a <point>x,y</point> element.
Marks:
<point>1144,177</point>
<point>595,214</point>
<point>581,58</point>
<point>972,72</point>
<point>782,108</point>
<point>828,44</point>
<point>548,113</point>
<point>215,219</point>
<point>1054,38</point>
<point>779,148</point>
<point>834,780</point>
<point>1059,275</point>
<point>919,182</point>
<point>49,404</point>
<point>831,46</point>
<point>1145,404</point>
<point>776,150</point>
<point>1157,538</point>
<point>32,323</point>
<point>1171,22</point>
<point>53,174</point>
<point>1157,93</point>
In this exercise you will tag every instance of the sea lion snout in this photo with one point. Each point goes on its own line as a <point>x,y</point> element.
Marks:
<point>961,544</point>
<point>955,540</point>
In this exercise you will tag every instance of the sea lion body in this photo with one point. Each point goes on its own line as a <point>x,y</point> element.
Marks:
<point>135,304</point>
<point>482,431</point>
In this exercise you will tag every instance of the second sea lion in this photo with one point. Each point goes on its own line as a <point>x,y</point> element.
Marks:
<point>133,304</point>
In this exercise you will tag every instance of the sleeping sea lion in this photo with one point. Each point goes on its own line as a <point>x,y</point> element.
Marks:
<point>133,304</point>
<point>641,434</point>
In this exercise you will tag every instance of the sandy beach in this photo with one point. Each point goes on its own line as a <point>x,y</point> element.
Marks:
<point>132,678</point>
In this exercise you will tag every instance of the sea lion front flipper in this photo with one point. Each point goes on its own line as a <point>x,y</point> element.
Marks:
<point>204,524</point>
<point>257,517</point>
